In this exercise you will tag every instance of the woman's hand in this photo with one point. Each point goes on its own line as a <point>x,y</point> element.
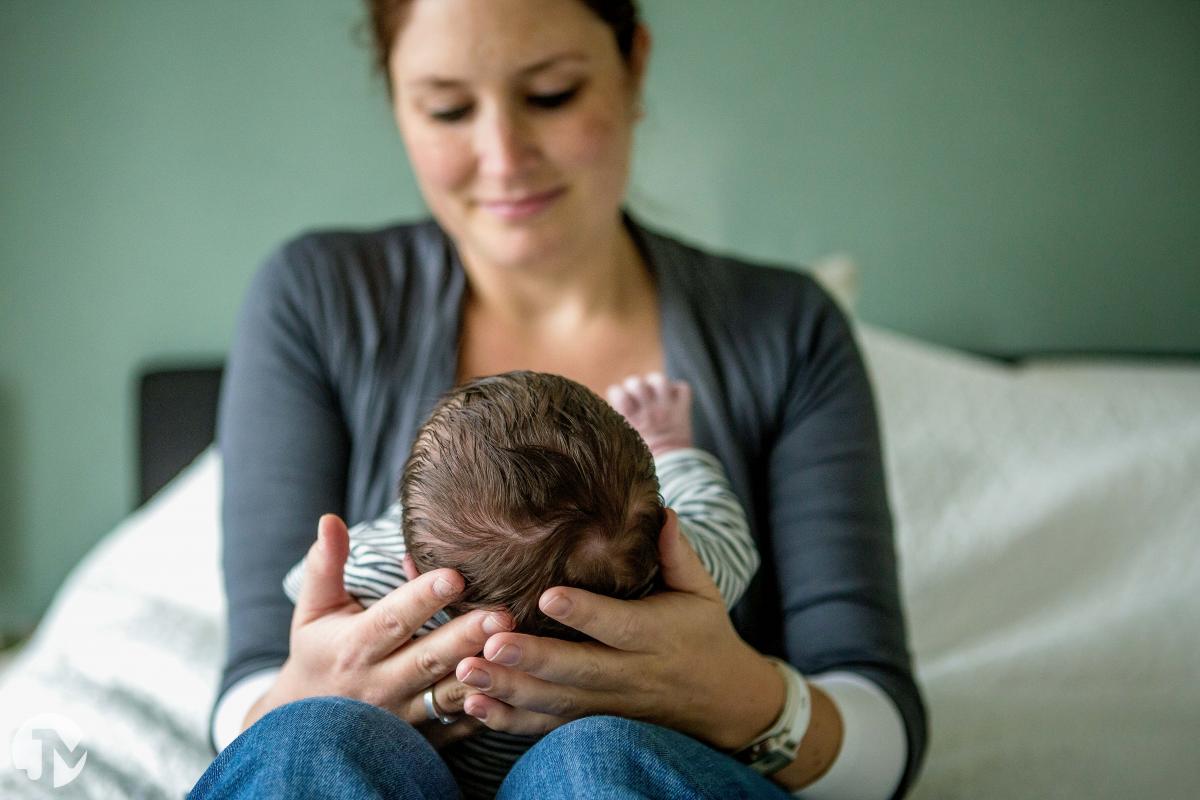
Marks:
<point>673,659</point>
<point>340,648</point>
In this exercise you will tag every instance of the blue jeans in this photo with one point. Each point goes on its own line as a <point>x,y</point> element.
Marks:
<point>339,748</point>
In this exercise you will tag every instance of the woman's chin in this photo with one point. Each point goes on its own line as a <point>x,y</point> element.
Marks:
<point>515,247</point>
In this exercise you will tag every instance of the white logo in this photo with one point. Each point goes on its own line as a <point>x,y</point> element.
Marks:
<point>48,748</point>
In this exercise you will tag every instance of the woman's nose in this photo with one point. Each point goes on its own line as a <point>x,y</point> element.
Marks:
<point>504,144</point>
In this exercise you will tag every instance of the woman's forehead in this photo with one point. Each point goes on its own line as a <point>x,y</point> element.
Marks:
<point>456,40</point>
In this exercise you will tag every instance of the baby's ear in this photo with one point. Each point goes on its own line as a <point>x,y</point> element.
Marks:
<point>410,568</point>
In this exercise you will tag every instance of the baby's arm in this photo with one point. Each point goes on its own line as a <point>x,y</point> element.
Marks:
<point>691,481</point>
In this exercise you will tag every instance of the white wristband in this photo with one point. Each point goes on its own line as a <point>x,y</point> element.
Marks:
<point>778,746</point>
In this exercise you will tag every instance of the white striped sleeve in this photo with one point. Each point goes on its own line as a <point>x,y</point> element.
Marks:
<point>693,483</point>
<point>375,565</point>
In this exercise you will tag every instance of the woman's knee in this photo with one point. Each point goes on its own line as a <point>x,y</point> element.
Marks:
<point>328,747</point>
<point>349,729</point>
<point>591,731</point>
<point>616,757</point>
<point>332,718</point>
<point>597,756</point>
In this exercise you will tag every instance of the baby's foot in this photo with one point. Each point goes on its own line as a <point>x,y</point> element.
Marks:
<point>659,409</point>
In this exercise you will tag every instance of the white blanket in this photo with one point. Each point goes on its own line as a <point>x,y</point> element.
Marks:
<point>1048,523</point>
<point>1049,534</point>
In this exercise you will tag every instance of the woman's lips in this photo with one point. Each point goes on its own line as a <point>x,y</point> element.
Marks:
<point>523,208</point>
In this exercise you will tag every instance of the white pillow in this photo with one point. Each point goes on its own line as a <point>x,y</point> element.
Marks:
<point>1048,525</point>
<point>131,650</point>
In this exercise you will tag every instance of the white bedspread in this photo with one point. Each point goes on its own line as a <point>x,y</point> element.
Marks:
<point>1049,532</point>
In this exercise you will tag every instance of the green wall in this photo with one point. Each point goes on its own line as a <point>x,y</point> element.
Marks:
<point>1010,176</point>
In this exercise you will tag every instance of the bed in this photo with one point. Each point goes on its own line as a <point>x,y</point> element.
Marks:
<point>1048,525</point>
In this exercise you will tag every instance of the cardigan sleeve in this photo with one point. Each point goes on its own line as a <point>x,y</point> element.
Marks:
<point>831,528</point>
<point>284,449</point>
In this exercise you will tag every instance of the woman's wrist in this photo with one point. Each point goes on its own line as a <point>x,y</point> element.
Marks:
<point>756,710</point>
<point>820,746</point>
<point>273,698</point>
<point>751,706</point>
<point>263,706</point>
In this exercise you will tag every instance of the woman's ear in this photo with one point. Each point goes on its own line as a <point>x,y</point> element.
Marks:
<point>639,59</point>
<point>410,568</point>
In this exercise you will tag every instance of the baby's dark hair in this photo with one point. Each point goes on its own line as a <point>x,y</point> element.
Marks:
<point>524,481</point>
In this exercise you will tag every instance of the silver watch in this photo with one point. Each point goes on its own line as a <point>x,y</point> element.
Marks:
<point>778,746</point>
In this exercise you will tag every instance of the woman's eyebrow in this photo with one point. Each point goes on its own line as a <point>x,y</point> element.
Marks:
<point>436,82</point>
<point>551,61</point>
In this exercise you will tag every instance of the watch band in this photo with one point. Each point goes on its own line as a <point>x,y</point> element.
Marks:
<point>777,747</point>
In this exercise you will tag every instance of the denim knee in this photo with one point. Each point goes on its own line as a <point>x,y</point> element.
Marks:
<point>588,730</point>
<point>329,719</point>
<point>326,747</point>
<point>610,758</point>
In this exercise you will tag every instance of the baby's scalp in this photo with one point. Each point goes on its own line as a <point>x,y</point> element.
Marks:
<point>527,480</point>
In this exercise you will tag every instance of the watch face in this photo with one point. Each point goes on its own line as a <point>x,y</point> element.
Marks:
<point>770,762</point>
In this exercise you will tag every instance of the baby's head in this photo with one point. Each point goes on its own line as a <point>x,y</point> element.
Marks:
<point>524,481</point>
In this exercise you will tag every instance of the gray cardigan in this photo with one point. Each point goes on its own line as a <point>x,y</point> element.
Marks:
<point>347,338</point>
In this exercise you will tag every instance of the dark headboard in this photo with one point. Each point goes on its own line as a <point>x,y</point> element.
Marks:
<point>177,418</point>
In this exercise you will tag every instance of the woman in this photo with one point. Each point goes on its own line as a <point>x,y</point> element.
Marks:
<point>518,117</point>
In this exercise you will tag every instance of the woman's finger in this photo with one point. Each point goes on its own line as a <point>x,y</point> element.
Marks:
<point>520,690</point>
<point>681,567</point>
<point>448,696</point>
<point>500,716</point>
<point>393,620</point>
<point>440,735</point>
<point>430,658</point>
<point>625,624</point>
<point>583,664</point>
<point>323,589</point>
<point>622,624</point>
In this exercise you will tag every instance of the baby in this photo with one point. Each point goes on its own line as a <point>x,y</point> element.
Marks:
<point>526,480</point>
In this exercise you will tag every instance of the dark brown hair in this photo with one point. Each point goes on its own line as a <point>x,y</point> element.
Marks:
<point>524,481</point>
<point>385,18</point>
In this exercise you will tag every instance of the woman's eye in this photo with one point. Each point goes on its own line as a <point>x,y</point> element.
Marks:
<point>451,114</point>
<point>546,101</point>
<point>553,100</point>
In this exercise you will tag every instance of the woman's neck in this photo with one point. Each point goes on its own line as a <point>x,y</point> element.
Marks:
<point>604,281</point>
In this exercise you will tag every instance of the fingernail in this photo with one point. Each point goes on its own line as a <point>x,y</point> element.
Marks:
<point>508,655</point>
<point>478,678</point>
<point>443,588</point>
<point>558,607</point>
<point>477,711</point>
<point>494,623</point>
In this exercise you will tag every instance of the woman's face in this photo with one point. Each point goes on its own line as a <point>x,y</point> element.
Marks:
<point>518,118</point>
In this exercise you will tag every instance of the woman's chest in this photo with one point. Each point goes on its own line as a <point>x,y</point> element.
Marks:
<point>597,358</point>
